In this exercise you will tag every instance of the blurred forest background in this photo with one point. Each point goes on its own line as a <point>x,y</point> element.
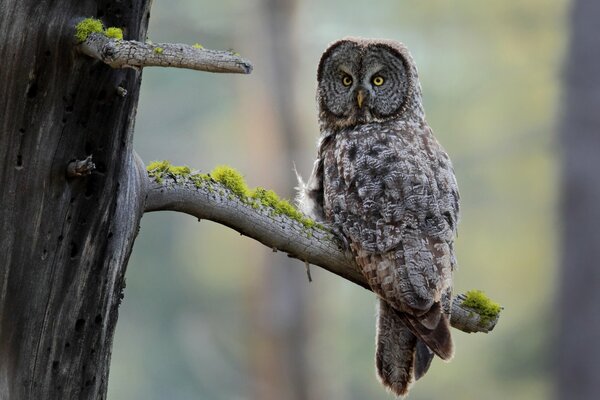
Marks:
<point>213,315</point>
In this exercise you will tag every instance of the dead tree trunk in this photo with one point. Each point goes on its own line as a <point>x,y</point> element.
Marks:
<point>64,241</point>
<point>67,226</point>
<point>578,360</point>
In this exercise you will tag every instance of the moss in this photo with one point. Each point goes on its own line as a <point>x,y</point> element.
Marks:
<point>158,169</point>
<point>86,27</point>
<point>114,33</point>
<point>92,25</point>
<point>232,179</point>
<point>183,171</point>
<point>269,198</point>
<point>199,179</point>
<point>479,302</point>
<point>158,50</point>
<point>197,46</point>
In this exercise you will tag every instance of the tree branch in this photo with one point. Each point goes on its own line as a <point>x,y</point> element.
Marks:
<point>203,197</point>
<point>120,53</point>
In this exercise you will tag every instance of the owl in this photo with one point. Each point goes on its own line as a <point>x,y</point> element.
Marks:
<point>386,186</point>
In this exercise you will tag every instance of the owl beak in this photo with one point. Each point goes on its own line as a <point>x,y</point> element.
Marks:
<point>360,97</point>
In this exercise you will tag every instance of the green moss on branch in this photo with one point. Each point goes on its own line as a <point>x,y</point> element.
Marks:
<point>92,25</point>
<point>115,33</point>
<point>232,180</point>
<point>483,305</point>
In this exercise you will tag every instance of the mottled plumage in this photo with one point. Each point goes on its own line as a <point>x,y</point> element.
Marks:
<point>384,183</point>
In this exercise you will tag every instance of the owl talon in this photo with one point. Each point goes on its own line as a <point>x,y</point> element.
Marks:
<point>337,232</point>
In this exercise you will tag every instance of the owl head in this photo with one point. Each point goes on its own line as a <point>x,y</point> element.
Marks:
<point>367,80</point>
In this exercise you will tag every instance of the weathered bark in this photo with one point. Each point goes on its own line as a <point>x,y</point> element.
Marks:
<point>64,242</point>
<point>135,54</point>
<point>578,353</point>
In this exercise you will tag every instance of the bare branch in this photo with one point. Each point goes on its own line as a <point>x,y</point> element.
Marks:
<point>120,53</point>
<point>207,199</point>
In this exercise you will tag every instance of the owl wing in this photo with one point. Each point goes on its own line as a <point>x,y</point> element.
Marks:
<point>397,203</point>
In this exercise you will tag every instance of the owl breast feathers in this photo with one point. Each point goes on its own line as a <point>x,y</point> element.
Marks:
<point>385,184</point>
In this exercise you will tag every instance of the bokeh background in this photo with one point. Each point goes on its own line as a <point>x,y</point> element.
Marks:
<point>213,315</point>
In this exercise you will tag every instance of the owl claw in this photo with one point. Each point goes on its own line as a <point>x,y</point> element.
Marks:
<point>337,232</point>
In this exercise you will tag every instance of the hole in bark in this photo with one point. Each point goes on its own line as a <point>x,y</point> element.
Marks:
<point>98,319</point>
<point>67,345</point>
<point>44,254</point>
<point>69,108</point>
<point>60,238</point>
<point>55,365</point>
<point>32,89</point>
<point>19,161</point>
<point>79,325</point>
<point>22,130</point>
<point>74,252</point>
<point>47,53</point>
<point>110,234</point>
<point>72,200</point>
<point>92,351</point>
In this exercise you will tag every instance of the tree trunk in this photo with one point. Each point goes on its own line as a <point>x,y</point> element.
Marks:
<point>578,360</point>
<point>64,242</point>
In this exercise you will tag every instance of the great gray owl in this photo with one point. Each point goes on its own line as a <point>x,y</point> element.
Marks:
<point>385,184</point>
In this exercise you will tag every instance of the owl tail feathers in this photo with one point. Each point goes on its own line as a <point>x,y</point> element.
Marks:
<point>396,351</point>
<point>406,345</point>
<point>433,328</point>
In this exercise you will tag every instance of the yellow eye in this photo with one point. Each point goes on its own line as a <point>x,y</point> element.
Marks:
<point>347,81</point>
<point>377,81</point>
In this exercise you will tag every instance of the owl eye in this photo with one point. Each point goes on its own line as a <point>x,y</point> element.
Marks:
<point>378,80</point>
<point>346,80</point>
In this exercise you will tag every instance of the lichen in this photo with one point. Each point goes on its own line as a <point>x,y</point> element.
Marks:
<point>158,50</point>
<point>114,33</point>
<point>197,46</point>
<point>86,27</point>
<point>483,305</point>
<point>92,25</point>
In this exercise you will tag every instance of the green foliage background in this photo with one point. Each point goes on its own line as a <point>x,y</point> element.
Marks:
<point>490,73</point>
